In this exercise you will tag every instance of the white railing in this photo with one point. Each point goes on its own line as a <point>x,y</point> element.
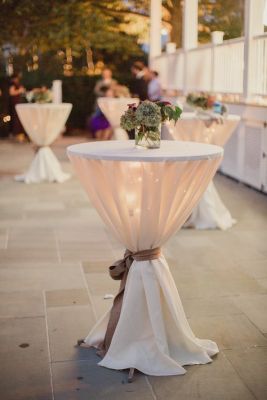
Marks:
<point>199,69</point>
<point>215,68</point>
<point>228,67</point>
<point>171,69</point>
<point>258,69</point>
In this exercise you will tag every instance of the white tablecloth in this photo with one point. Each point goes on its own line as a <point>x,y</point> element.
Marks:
<point>43,123</point>
<point>210,213</point>
<point>197,128</point>
<point>113,108</point>
<point>144,197</point>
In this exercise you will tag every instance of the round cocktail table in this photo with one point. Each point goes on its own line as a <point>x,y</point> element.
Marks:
<point>43,123</point>
<point>144,197</point>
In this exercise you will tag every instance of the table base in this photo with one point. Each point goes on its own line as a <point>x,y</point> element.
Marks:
<point>44,167</point>
<point>210,213</point>
<point>153,334</point>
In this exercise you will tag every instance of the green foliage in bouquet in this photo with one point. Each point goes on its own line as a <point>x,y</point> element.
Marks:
<point>128,119</point>
<point>169,112</point>
<point>148,115</point>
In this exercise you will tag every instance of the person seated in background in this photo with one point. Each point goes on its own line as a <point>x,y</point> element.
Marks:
<point>120,90</point>
<point>105,82</point>
<point>139,84</point>
<point>98,124</point>
<point>154,86</point>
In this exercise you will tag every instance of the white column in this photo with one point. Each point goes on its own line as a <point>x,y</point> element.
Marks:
<point>265,14</point>
<point>190,32</point>
<point>190,24</point>
<point>155,29</point>
<point>253,26</point>
<point>57,91</point>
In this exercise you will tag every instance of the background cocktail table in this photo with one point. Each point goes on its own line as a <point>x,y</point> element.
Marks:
<point>113,108</point>
<point>43,123</point>
<point>144,197</point>
<point>210,212</point>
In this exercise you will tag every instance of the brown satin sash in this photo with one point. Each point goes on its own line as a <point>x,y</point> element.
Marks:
<point>119,271</point>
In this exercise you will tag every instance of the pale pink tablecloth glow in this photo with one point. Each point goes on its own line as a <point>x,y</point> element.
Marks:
<point>43,123</point>
<point>144,197</point>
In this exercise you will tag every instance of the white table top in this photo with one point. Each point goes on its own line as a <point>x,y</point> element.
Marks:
<point>43,122</point>
<point>118,100</point>
<point>44,105</point>
<point>195,115</point>
<point>126,151</point>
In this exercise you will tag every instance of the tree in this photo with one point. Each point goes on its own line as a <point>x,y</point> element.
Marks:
<point>106,25</point>
<point>220,15</point>
<point>225,15</point>
<point>171,16</point>
<point>55,24</point>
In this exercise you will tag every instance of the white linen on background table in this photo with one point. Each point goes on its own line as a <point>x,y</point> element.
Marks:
<point>210,212</point>
<point>144,196</point>
<point>193,127</point>
<point>43,124</point>
<point>113,108</point>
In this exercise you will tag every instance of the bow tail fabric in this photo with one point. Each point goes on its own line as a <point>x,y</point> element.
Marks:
<point>117,271</point>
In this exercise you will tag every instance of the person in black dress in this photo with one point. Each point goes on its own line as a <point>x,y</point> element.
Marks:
<point>139,83</point>
<point>16,92</point>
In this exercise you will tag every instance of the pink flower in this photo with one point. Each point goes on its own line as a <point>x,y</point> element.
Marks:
<point>164,103</point>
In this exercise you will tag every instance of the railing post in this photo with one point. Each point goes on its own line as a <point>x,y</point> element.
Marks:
<point>190,33</point>
<point>212,75</point>
<point>253,26</point>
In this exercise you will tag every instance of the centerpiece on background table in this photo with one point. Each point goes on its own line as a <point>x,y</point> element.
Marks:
<point>39,95</point>
<point>146,119</point>
<point>206,103</point>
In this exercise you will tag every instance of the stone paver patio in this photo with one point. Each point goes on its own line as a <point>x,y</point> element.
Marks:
<point>54,254</point>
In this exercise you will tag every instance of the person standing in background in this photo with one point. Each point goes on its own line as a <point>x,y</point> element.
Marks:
<point>16,92</point>
<point>154,86</point>
<point>139,82</point>
<point>4,108</point>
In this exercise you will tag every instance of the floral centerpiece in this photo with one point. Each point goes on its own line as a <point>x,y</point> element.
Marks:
<point>146,118</point>
<point>39,95</point>
<point>205,102</point>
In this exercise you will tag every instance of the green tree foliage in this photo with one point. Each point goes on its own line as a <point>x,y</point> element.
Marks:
<point>220,15</point>
<point>54,24</point>
<point>104,24</point>
<point>214,15</point>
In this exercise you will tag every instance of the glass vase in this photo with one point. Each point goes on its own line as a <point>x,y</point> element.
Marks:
<point>148,137</point>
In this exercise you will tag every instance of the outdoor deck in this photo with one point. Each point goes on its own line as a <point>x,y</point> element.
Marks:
<point>54,254</point>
